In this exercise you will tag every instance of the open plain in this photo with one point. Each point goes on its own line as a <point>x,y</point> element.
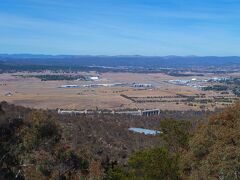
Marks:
<point>113,91</point>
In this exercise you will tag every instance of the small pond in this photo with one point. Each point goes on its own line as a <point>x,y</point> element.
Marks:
<point>144,131</point>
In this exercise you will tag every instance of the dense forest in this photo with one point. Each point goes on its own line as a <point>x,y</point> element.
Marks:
<point>40,144</point>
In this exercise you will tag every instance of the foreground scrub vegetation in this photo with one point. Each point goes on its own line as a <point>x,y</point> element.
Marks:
<point>33,145</point>
<point>209,151</point>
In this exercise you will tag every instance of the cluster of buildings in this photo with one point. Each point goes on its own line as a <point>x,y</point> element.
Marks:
<point>69,86</point>
<point>142,85</point>
<point>92,78</point>
<point>97,78</point>
<point>93,85</point>
<point>108,85</point>
<point>217,79</point>
<point>195,83</point>
<point>191,83</point>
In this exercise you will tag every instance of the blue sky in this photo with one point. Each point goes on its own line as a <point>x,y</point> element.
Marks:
<point>120,27</point>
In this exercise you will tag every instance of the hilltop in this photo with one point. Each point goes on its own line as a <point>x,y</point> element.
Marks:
<point>45,145</point>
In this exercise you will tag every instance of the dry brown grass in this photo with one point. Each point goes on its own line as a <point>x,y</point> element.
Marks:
<point>32,92</point>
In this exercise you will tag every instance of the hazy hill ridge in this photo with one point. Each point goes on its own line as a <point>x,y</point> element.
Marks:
<point>121,61</point>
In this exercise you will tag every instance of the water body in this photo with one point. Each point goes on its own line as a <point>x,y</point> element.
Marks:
<point>144,131</point>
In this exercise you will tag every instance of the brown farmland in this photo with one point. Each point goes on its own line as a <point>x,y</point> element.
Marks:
<point>32,92</point>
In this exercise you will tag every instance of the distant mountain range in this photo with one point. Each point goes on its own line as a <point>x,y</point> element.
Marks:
<point>120,61</point>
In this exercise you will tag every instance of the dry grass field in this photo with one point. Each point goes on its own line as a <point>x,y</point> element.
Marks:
<point>32,92</point>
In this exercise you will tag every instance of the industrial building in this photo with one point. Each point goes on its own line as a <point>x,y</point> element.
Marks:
<point>141,85</point>
<point>69,86</point>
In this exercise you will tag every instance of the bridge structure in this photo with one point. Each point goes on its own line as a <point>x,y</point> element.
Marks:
<point>73,112</point>
<point>149,112</point>
<point>134,113</point>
